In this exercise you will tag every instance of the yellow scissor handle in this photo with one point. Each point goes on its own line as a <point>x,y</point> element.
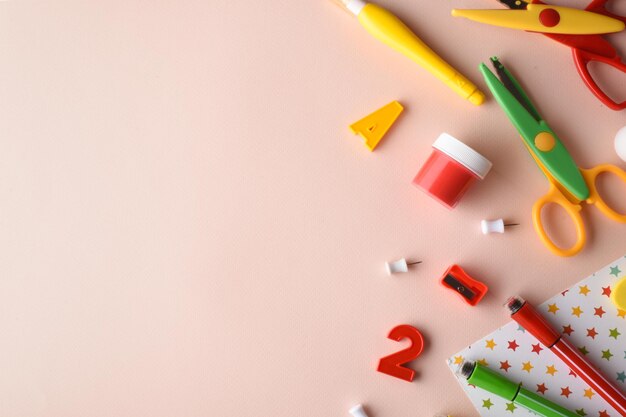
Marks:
<point>573,210</point>
<point>590,176</point>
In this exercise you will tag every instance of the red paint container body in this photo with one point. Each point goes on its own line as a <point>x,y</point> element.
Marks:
<point>444,179</point>
<point>450,170</point>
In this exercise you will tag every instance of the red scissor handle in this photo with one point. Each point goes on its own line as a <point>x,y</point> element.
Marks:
<point>599,6</point>
<point>606,54</point>
<point>582,59</point>
<point>590,48</point>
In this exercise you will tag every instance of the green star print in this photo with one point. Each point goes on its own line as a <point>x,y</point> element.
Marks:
<point>606,354</point>
<point>487,403</point>
<point>621,376</point>
<point>615,270</point>
<point>510,407</point>
<point>614,333</point>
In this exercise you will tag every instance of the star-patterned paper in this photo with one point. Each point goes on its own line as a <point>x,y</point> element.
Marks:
<point>585,315</point>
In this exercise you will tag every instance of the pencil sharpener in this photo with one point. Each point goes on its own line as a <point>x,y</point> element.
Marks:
<point>468,288</point>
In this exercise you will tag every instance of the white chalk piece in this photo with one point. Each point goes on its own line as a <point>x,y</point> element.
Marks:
<point>620,143</point>
<point>494,226</point>
<point>358,411</point>
<point>399,266</point>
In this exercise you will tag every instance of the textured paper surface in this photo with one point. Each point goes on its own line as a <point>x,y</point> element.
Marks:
<point>586,316</point>
<point>189,228</point>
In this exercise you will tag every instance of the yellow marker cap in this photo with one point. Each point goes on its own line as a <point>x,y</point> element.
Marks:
<point>618,294</point>
<point>375,125</point>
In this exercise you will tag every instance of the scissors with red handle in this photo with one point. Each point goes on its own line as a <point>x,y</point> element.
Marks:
<point>581,30</point>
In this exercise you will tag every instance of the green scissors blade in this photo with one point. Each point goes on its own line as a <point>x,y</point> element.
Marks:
<point>540,140</point>
<point>508,80</point>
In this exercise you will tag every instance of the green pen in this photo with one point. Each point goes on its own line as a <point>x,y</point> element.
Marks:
<point>495,383</point>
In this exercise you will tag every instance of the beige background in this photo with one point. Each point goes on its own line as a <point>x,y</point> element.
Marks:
<point>189,229</point>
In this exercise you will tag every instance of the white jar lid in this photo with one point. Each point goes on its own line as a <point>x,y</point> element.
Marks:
<point>463,154</point>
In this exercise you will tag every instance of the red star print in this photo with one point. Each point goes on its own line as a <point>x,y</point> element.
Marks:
<point>568,330</point>
<point>606,291</point>
<point>564,292</point>
<point>604,414</point>
<point>592,333</point>
<point>513,345</point>
<point>599,311</point>
<point>537,348</point>
<point>573,374</point>
<point>565,392</point>
<point>541,388</point>
<point>505,365</point>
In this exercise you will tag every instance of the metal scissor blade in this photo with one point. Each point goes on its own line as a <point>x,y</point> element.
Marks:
<point>525,121</point>
<point>511,84</point>
<point>514,4</point>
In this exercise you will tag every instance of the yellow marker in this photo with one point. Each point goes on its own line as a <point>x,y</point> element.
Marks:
<point>546,19</point>
<point>374,126</point>
<point>390,30</point>
<point>618,294</point>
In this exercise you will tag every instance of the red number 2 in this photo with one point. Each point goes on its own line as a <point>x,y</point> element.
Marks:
<point>392,364</point>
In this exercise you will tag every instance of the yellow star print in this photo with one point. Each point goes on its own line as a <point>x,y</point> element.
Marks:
<point>576,311</point>
<point>458,360</point>
<point>589,393</point>
<point>483,362</point>
<point>584,290</point>
<point>526,366</point>
<point>621,313</point>
<point>552,308</point>
<point>551,370</point>
<point>490,344</point>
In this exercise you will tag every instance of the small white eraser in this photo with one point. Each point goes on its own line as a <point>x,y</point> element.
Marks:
<point>397,266</point>
<point>358,411</point>
<point>620,143</point>
<point>492,226</point>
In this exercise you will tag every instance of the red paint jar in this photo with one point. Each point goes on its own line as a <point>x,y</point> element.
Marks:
<point>451,170</point>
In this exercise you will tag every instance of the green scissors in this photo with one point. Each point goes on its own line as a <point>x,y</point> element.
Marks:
<point>570,185</point>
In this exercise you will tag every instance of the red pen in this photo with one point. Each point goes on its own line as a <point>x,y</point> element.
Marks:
<point>527,317</point>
